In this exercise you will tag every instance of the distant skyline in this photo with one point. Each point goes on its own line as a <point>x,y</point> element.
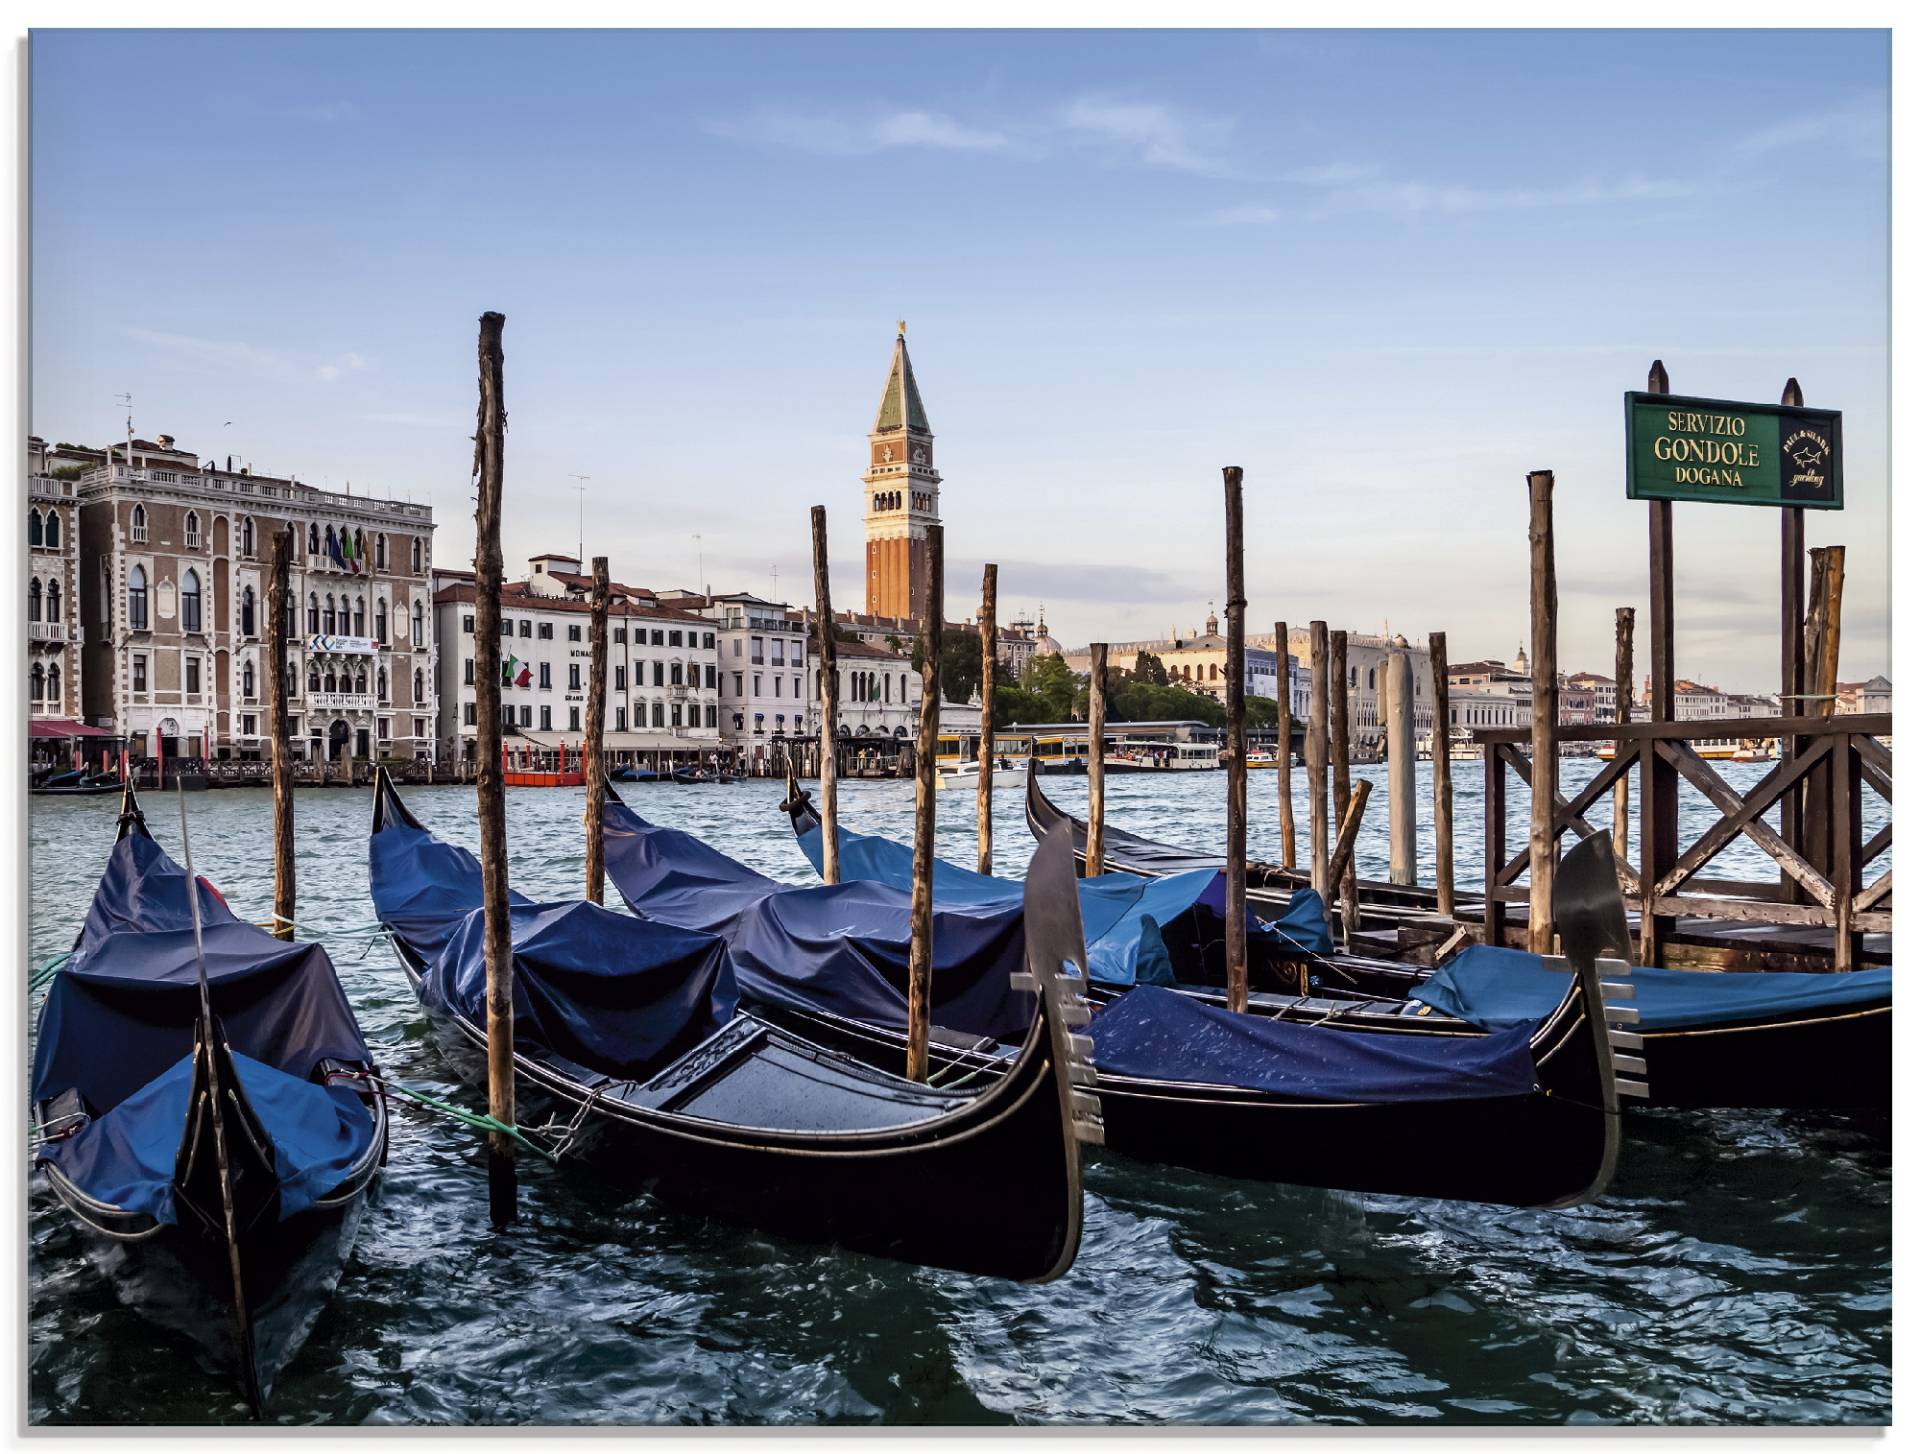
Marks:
<point>1385,272</point>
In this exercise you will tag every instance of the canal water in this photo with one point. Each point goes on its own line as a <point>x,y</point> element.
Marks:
<point>1739,1271</point>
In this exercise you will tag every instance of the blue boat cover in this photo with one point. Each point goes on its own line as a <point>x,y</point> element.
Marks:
<point>123,1008</point>
<point>841,948</point>
<point>600,988</point>
<point>126,1158</point>
<point>1490,986</point>
<point>1160,1034</point>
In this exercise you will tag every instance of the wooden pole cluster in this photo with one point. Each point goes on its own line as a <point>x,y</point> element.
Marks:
<point>282,748</point>
<point>920,952</point>
<point>1283,744</point>
<point>1236,743</point>
<point>829,705</point>
<point>1318,652</point>
<point>1442,774</point>
<point>1622,712</point>
<point>1398,701</point>
<point>593,753</point>
<point>1339,735</point>
<point>989,660</point>
<point>1096,759</point>
<point>1545,596</point>
<point>1659,781</point>
<point>489,457</point>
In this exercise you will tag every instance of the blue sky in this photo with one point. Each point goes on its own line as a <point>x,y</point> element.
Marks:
<point>1386,272</point>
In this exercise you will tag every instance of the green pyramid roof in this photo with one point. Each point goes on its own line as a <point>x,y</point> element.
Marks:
<point>901,397</point>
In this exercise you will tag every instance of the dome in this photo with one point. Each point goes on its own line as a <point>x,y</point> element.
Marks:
<point>1043,644</point>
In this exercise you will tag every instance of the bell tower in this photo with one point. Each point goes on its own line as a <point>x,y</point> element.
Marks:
<point>903,493</point>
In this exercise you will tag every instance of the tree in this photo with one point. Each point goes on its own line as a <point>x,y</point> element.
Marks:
<point>1052,684</point>
<point>1149,668</point>
<point>959,663</point>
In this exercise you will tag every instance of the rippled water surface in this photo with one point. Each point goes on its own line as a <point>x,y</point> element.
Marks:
<point>1739,1270</point>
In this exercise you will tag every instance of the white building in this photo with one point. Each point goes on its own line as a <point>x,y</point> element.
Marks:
<point>766,677</point>
<point>663,695</point>
<point>1367,678</point>
<point>54,637</point>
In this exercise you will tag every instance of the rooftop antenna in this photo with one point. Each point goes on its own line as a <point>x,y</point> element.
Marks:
<point>125,401</point>
<point>700,557</point>
<point>580,484</point>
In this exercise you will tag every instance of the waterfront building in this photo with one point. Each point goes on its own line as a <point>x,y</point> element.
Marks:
<point>765,670</point>
<point>1579,703</point>
<point>662,668</point>
<point>1471,708</point>
<point>174,556</point>
<point>54,635</point>
<point>902,490</point>
<point>1697,702</point>
<point>1873,695</point>
<point>1599,687</point>
<point>1367,654</point>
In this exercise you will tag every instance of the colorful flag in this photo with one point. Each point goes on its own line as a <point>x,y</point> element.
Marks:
<point>525,678</point>
<point>333,550</point>
<point>346,550</point>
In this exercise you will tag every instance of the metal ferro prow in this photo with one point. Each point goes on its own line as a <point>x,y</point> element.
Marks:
<point>1054,939</point>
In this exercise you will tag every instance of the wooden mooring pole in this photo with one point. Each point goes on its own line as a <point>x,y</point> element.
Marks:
<point>920,951</point>
<point>1096,758</point>
<point>1318,653</point>
<point>1283,744</point>
<point>1236,743</point>
<point>489,456</point>
<point>278,608</point>
<point>1821,675</point>
<point>1793,665</point>
<point>595,748</point>
<point>829,706</point>
<point>1340,744</point>
<point>1622,712</point>
<point>1350,827</point>
<point>1541,858</point>
<point>1398,704</point>
<point>1442,774</point>
<point>1659,780</point>
<point>989,660</point>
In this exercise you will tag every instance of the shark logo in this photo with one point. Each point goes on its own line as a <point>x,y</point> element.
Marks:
<point>1808,453</point>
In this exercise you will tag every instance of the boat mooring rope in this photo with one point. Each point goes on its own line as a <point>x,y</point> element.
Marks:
<point>479,1120</point>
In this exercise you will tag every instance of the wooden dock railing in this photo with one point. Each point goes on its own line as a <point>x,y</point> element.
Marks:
<point>1821,885</point>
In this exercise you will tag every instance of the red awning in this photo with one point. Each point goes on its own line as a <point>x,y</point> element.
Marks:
<point>65,729</point>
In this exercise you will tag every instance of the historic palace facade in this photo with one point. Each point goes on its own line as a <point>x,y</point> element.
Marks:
<point>903,494</point>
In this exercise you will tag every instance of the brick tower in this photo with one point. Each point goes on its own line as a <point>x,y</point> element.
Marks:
<point>903,493</point>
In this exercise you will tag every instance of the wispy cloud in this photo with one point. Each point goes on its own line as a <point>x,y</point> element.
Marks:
<point>321,112</point>
<point>1152,132</point>
<point>1351,187</point>
<point>884,130</point>
<point>225,355</point>
<point>1860,127</point>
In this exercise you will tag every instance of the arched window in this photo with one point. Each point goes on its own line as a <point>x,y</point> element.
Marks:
<point>190,601</point>
<point>313,614</point>
<point>379,620</point>
<point>53,600</point>
<point>359,615</point>
<point>382,680</point>
<point>37,684</point>
<point>246,680</point>
<point>419,624</point>
<point>360,681</point>
<point>138,523</point>
<point>1369,678</point>
<point>332,622</point>
<point>137,599</point>
<point>329,542</point>
<point>360,548</point>
<point>246,535</point>
<point>193,530</point>
<point>53,543</point>
<point>416,555</point>
<point>380,551</point>
<point>33,599</point>
<point>53,683</point>
<point>246,611</point>
<point>35,536</point>
<point>419,686</point>
<point>313,540</point>
<point>313,678</point>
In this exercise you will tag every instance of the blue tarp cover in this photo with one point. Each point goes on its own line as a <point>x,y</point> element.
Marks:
<point>1491,986</point>
<point>1121,913</point>
<point>1161,1034</point>
<point>126,1158</point>
<point>840,948</point>
<point>598,987</point>
<point>123,1009</point>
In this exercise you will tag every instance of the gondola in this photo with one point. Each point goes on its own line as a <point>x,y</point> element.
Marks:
<point>74,784</point>
<point>187,1068</point>
<point>630,1030</point>
<point>1714,1039</point>
<point>1179,1081</point>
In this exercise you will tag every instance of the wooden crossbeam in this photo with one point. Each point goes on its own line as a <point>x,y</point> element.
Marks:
<point>1713,787</point>
<point>1761,796</point>
<point>1874,892</point>
<point>1877,845</point>
<point>1874,753</point>
<point>1570,814</point>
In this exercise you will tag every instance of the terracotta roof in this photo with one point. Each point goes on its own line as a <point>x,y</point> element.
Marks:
<point>867,651</point>
<point>585,583</point>
<point>516,597</point>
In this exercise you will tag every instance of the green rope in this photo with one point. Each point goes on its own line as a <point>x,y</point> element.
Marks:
<point>48,970</point>
<point>479,1120</point>
<point>374,930</point>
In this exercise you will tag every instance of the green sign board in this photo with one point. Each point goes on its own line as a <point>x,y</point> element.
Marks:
<point>1732,454</point>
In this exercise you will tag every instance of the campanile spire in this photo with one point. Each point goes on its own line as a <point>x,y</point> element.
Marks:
<point>902,490</point>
